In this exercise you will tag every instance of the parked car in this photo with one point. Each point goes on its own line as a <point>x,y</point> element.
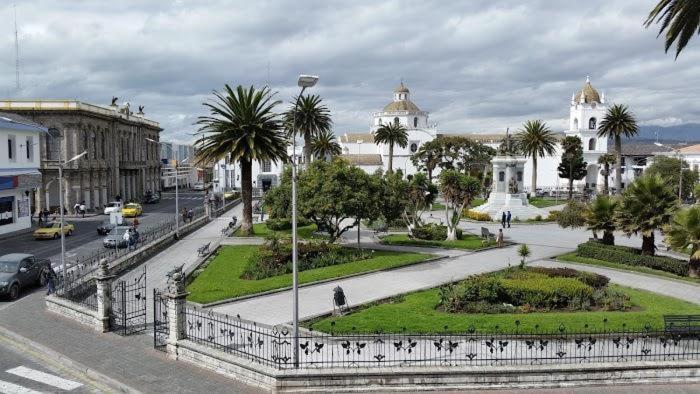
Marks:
<point>19,271</point>
<point>52,230</point>
<point>114,206</point>
<point>105,227</point>
<point>132,210</point>
<point>200,186</point>
<point>115,237</point>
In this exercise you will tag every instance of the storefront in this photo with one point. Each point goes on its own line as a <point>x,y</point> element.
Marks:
<point>14,205</point>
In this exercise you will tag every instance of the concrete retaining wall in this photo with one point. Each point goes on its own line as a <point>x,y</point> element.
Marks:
<point>437,377</point>
<point>72,311</point>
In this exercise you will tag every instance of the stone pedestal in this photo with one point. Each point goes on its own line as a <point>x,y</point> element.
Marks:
<point>176,312</point>
<point>104,296</point>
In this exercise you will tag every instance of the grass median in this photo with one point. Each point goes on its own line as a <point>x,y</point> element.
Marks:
<point>417,313</point>
<point>303,232</point>
<point>540,202</point>
<point>221,279</point>
<point>468,242</point>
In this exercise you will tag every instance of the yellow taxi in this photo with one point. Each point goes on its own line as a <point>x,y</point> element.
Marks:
<point>132,210</point>
<point>231,195</point>
<point>52,230</point>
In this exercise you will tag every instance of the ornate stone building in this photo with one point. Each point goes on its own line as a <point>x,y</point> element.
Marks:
<point>120,161</point>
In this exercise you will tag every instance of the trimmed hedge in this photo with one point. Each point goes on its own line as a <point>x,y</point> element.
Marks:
<point>433,232</point>
<point>631,256</point>
<point>478,216</point>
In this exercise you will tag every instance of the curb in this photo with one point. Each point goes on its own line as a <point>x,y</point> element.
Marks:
<point>62,360</point>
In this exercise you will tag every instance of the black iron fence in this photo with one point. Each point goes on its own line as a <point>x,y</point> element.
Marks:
<point>161,321</point>
<point>273,346</point>
<point>80,290</point>
<point>128,304</point>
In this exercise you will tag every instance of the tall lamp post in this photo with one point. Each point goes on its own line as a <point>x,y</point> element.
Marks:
<point>304,81</point>
<point>177,181</point>
<point>680,177</point>
<point>60,208</point>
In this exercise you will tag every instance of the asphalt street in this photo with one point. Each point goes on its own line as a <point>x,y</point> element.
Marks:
<point>85,239</point>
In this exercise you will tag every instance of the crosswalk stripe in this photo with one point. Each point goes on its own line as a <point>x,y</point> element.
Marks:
<point>43,377</point>
<point>11,388</point>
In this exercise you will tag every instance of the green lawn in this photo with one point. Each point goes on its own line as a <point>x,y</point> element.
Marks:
<point>438,207</point>
<point>303,232</point>
<point>416,313</point>
<point>221,279</point>
<point>573,258</point>
<point>468,241</point>
<point>541,202</point>
<point>477,201</point>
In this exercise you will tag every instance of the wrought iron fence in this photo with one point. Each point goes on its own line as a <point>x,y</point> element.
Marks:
<point>161,322</point>
<point>128,305</point>
<point>274,346</point>
<point>80,290</point>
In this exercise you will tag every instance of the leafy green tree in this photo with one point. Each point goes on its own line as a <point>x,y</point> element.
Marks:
<point>244,125</point>
<point>618,122</point>
<point>330,193</point>
<point>391,134</point>
<point>646,205</point>
<point>606,160</point>
<point>278,199</point>
<point>572,216</point>
<point>696,193</point>
<point>572,166</point>
<point>312,119</point>
<point>670,170</point>
<point>394,195</point>
<point>535,140</point>
<point>683,233</point>
<point>600,216</point>
<point>679,21</point>
<point>458,190</point>
<point>324,145</point>
<point>420,194</point>
<point>428,156</point>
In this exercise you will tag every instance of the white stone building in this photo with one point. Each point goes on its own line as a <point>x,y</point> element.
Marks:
<point>19,170</point>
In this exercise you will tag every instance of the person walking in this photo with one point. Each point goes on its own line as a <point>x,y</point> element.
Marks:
<point>82,209</point>
<point>508,219</point>
<point>499,238</point>
<point>50,281</point>
<point>127,239</point>
<point>76,209</point>
<point>503,220</point>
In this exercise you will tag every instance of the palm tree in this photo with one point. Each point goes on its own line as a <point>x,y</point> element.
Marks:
<point>646,205</point>
<point>600,215</point>
<point>392,134</point>
<point>325,145</point>
<point>684,233</point>
<point>535,140</point>
<point>242,123</point>
<point>618,121</point>
<point>678,18</point>
<point>312,118</point>
<point>606,160</point>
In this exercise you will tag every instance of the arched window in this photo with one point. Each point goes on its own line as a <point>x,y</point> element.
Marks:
<point>414,147</point>
<point>592,123</point>
<point>415,122</point>
<point>591,144</point>
<point>575,124</point>
<point>396,120</point>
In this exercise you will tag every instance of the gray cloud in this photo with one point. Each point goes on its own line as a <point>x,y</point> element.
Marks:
<point>477,65</point>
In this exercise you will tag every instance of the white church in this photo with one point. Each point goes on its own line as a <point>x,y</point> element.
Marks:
<point>586,109</point>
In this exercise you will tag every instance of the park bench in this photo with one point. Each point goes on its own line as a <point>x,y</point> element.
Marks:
<point>682,323</point>
<point>204,249</point>
<point>487,235</point>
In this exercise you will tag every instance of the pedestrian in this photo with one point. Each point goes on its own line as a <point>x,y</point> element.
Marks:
<point>136,222</point>
<point>508,219</point>
<point>503,220</point>
<point>127,238</point>
<point>132,239</point>
<point>82,208</point>
<point>76,209</point>
<point>50,281</point>
<point>46,214</point>
<point>499,238</point>
<point>190,215</point>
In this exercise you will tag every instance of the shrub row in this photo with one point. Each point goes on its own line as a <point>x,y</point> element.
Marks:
<point>478,216</point>
<point>592,279</point>
<point>630,256</point>
<point>283,224</point>
<point>433,232</point>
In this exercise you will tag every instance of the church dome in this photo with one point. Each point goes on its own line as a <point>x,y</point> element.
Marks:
<point>401,105</point>
<point>401,88</point>
<point>590,95</point>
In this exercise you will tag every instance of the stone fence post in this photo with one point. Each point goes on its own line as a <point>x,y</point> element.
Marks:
<point>104,296</point>
<point>176,311</point>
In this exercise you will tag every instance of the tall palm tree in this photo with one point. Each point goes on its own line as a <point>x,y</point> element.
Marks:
<point>679,19</point>
<point>312,118</point>
<point>606,160</point>
<point>391,134</point>
<point>684,233</point>
<point>535,140</point>
<point>600,215</point>
<point>618,121</point>
<point>242,123</point>
<point>646,205</point>
<point>325,145</point>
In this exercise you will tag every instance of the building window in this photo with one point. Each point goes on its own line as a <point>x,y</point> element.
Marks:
<point>30,149</point>
<point>501,176</point>
<point>591,144</point>
<point>414,147</point>
<point>396,121</point>
<point>11,147</point>
<point>592,123</point>
<point>415,122</point>
<point>519,176</point>
<point>266,166</point>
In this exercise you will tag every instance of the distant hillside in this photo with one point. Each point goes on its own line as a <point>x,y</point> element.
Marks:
<point>689,132</point>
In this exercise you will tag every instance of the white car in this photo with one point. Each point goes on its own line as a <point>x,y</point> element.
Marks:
<point>114,206</point>
<point>199,186</point>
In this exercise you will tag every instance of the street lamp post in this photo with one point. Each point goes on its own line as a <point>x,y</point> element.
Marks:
<point>60,208</point>
<point>304,81</point>
<point>680,177</point>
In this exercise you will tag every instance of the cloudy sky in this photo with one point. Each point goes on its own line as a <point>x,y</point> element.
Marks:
<point>477,66</point>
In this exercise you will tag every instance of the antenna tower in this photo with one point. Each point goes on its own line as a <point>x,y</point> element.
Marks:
<point>16,51</point>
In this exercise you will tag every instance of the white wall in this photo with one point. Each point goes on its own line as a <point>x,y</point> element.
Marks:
<point>19,160</point>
